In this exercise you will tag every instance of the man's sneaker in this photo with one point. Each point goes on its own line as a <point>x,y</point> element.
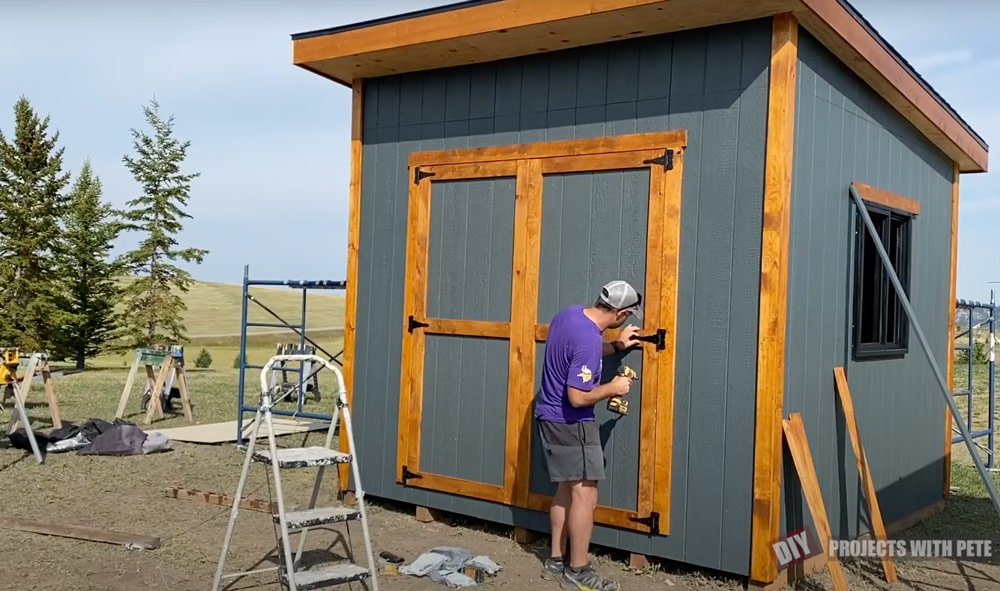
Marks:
<point>552,570</point>
<point>585,579</point>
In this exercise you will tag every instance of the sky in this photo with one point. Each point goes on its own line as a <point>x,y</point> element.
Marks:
<point>271,141</point>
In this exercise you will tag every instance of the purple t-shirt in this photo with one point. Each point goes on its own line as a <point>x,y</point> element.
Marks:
<point>573,353</point>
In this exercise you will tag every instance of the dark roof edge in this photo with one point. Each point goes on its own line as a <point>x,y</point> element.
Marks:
<point>391,19</point>
<point>913,71</point>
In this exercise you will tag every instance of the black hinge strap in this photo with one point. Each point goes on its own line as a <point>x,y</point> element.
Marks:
<point>666,161</point>
<point>652,522</point>
<point>414,324</point>
<point>658,338</point>
<point>407,475</point>
<point>419,175</point>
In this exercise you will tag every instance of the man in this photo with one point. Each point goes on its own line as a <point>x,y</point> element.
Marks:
<point>569,434</point>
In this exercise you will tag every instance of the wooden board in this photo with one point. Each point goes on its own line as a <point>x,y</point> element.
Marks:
<point>774,261</point>
<point>524,308</point>
<point>887,198</point>
<point>80,532</point>
<point>353,250</point>
<point>226,432</point>
<point>556,149</point>
<point>952,294</point>
<point>798,445</point>
<point>864,470</point>
<point>220,499</point>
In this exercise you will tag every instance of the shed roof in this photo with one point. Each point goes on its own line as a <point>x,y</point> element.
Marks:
<point>478,31</point>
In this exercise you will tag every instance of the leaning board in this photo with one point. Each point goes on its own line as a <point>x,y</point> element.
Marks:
<point>224,432</point>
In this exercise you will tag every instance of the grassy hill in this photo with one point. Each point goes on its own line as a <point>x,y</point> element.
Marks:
<point>213,309</point>
<point>212,320</point>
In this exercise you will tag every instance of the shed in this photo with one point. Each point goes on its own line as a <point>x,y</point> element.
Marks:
<point>508,157</point>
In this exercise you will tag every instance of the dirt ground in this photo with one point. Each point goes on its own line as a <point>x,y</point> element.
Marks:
<point>127,494</point>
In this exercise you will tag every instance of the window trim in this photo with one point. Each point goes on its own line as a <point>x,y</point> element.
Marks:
<point>882,350</point>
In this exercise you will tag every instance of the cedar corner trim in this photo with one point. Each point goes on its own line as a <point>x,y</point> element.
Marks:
<point>766,513</point>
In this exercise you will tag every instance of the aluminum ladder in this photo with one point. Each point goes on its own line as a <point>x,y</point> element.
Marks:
<point>319,457</point>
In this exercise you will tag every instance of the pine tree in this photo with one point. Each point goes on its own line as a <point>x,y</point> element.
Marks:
<point>152,302</point>
<point>89,287</point>
<point>31,204</point>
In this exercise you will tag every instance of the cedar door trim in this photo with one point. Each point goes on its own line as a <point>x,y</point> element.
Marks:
<point>662,154</point>
<point>888,199</point>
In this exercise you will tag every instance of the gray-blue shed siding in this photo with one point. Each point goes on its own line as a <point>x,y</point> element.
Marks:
<point>711,82</point>
<point>846,132</point>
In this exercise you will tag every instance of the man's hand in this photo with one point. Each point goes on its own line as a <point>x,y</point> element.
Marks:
<point>619,386</point>
<point>627,338</point>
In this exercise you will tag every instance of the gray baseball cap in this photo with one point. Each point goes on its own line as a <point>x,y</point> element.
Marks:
<point>622,296</point>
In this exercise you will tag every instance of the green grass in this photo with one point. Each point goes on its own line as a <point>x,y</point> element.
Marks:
<point>213,309</point>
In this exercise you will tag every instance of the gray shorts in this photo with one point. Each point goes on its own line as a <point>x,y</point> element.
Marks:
<point>572,450</point>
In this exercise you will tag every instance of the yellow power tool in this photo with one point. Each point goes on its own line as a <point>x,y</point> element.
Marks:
<point>10,359</point>
<point>618,404</point>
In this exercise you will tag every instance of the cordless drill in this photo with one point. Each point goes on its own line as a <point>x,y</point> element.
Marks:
<point>618,404</point>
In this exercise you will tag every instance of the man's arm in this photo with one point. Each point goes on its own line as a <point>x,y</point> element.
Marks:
<point>625,340</point>
<point>617,387</point>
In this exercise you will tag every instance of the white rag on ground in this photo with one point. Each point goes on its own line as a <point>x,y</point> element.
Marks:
<point>443,565</point>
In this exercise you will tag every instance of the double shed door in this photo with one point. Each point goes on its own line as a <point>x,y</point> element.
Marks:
<point>499,240</point>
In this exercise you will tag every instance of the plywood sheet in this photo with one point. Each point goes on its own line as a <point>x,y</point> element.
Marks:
<point>224,432</point>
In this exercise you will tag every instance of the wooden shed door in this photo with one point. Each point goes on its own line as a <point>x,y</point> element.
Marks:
<point>457,336</point>
<point>499,240</point>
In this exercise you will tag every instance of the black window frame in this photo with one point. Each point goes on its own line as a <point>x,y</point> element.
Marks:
<point>898,245</point>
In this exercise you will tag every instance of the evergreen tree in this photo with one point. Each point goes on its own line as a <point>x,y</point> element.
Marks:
<point>89,289</point>
<point>152,302</point>
<point>31,204</point>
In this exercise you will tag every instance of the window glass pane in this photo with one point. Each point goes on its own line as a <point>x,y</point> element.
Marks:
<point>870,278</point>
<point>898,244</point>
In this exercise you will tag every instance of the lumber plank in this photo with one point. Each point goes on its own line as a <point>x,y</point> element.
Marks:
<point>864,470</point>
<point>602,514</point>
<point>952,294</point>
<point>220,499</point>
<point>50,394</point>
<point>414,303</point>
<point>558,148</point>
<point>765,520</point>
<point>185,398</point>
<point>798,445</point>
<point>471,170</point>
<point>24,386</point>
<point>123,401</point>
<point>598,162</point>
<point>469,328</point>
<point>665,360</point>
<point>80,532</point>
<point>887,198</point>
<point>524,303</point>
<point>154,406</point>
<point>649,395</point>
<point>353,250</point>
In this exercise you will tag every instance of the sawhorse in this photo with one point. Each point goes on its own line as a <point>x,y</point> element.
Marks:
<point>171,368</point>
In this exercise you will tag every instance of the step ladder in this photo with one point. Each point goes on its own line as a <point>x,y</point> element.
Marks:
<point>288,522</point>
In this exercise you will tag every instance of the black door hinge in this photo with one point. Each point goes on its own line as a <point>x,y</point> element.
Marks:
<point>658,338</point>
<point>407,475</point>
<point>652,522</point>
<point>414,324</point>
<point>667,160</point>
<point>419,175</point>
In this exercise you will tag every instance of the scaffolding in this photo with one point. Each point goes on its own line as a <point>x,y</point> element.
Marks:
<point>970,308</point>
<point>300,329</point>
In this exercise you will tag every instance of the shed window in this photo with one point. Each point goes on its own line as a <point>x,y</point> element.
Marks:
<point>881,328</point>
